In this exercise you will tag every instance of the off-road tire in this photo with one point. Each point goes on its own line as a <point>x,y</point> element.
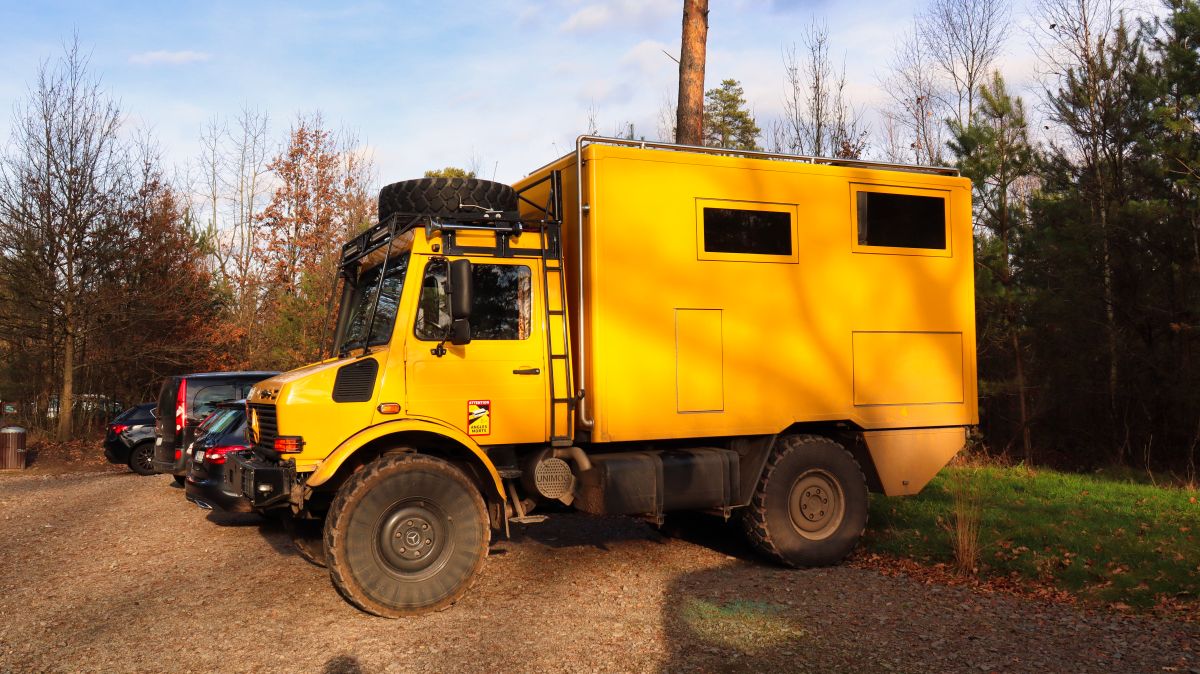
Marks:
<point>308,538</point>
<point>379,509</point>
<point>141,458</point>
<point>812,480</point>
<point>445,196</point>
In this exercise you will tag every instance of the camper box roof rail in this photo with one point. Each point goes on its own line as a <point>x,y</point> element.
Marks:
<point>757,154</point>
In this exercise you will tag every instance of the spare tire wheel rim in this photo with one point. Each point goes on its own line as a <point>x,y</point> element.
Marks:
<point>413,539</point>
<point>816,504</point>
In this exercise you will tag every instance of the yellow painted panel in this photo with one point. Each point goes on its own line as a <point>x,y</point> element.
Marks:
<point>908,368</point>
<point>698,360</point>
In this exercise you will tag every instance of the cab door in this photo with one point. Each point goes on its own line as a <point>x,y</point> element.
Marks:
<point>493,388</point>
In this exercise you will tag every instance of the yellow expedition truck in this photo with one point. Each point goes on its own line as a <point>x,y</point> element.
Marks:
<point>636,329</point>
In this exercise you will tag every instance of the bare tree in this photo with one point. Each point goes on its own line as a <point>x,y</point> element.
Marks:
<point>59,184</point>
<point>248,153</point>
<point>916,97</point>
<point>213,186</point>
<point>667,117</point>
<point>963,39</point>
<point>818,118</point>
<point>689,124</point>
<point>894,149</point>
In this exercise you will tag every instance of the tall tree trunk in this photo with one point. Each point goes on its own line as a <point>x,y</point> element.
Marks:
<point>689,124</point>
<point>67,393</point>
<point>1118,444</point>
<point>1022,401</point>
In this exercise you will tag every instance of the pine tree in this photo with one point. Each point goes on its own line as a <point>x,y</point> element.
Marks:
<point>727,121</point>
<point>994,152</point>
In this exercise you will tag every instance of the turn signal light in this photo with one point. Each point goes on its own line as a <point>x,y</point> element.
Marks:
<point>289,444</point>
<point>389,408</point>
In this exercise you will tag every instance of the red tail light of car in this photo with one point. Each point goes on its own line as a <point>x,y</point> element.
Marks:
<point>181,406</point>
<point>216,455</point>
<point>118,429</point>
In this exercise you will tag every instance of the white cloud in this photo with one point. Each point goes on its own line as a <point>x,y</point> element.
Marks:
<point>648,57</point>
<point>600,15</point>
<point>163,57</point>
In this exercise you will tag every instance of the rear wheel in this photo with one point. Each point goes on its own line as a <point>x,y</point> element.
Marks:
<point>308,538</point>
<point>141,458</point>
<point>810,507</point>
<point>405,535</point>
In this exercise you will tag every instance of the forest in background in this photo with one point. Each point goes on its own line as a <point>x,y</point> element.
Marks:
<point>117,269</point>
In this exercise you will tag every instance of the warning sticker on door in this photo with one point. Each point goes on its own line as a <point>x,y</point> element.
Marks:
<point>479,417</point>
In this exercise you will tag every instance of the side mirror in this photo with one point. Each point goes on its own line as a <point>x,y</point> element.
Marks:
<point>460,332</point>
<point>461,292</point>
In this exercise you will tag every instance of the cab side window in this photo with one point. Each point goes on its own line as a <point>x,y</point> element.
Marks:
<point>502,306</point>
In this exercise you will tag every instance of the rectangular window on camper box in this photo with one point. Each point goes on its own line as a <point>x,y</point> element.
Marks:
<point>746,231</point>
<point>911,220</point>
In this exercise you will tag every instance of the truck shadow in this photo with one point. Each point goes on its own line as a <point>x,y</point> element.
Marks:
<point>270,528</point>
<point>571,529</point>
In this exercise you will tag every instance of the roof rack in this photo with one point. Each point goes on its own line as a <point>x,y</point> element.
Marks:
<point>756,154</point>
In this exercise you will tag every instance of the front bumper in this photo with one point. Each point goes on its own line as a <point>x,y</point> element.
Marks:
<point>264,483</point>
<point>210,494</point>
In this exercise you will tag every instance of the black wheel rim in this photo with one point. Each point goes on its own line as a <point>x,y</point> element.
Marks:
<point>816,504</point>
<point>143,459</point>
<point>414,539</point>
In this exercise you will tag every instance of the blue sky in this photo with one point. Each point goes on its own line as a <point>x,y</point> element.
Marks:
<point>505,85</point>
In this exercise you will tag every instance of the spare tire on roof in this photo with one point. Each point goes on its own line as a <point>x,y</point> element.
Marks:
<point>445,196</point>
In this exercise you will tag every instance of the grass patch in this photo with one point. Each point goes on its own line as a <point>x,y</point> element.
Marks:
<point>748,626</point>
<point>1103,539</point>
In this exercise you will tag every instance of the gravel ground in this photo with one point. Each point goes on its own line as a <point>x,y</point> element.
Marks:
<point>106,571</point>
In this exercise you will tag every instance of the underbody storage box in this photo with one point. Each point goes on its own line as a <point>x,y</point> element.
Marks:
<point>651,483</point>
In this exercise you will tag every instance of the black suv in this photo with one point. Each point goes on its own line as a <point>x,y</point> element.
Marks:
<point>184,402</point>
<point>130,439</point>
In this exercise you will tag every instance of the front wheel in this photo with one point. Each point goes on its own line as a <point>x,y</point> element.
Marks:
<point>810,507</point>
<point>405,535</point>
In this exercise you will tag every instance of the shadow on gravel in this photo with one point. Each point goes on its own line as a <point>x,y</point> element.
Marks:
<point>270,528</point>
<point>343,664</point>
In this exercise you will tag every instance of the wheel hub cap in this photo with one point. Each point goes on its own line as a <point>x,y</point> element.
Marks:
<point>816,504</point>
<point>411,536</point>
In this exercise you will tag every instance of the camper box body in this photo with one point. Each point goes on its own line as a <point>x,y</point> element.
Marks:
<point>730,296</point>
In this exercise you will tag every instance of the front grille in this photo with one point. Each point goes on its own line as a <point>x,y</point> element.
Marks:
<point>268,425</point>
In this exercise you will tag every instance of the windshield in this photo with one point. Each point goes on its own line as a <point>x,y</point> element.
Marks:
<point>362,297</point>
<point>228,420</point>
<point>212,420</point>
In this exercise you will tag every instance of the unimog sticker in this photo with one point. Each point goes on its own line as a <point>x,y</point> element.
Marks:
<point>479,417</point>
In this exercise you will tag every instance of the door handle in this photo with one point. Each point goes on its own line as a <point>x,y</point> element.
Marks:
<point>527,370</point>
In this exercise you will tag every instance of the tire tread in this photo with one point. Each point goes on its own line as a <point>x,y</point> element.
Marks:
<point>754,517</point>
<point>337,519</point>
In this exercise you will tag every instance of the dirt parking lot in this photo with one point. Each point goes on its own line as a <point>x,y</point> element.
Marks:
<point>106,571</point>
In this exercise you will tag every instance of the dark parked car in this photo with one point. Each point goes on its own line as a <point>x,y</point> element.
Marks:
<point>184,402</point>
<point>130,439</point>
<point>223,432</point>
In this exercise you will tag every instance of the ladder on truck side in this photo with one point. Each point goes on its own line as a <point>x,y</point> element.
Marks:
<point>558,333</point>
